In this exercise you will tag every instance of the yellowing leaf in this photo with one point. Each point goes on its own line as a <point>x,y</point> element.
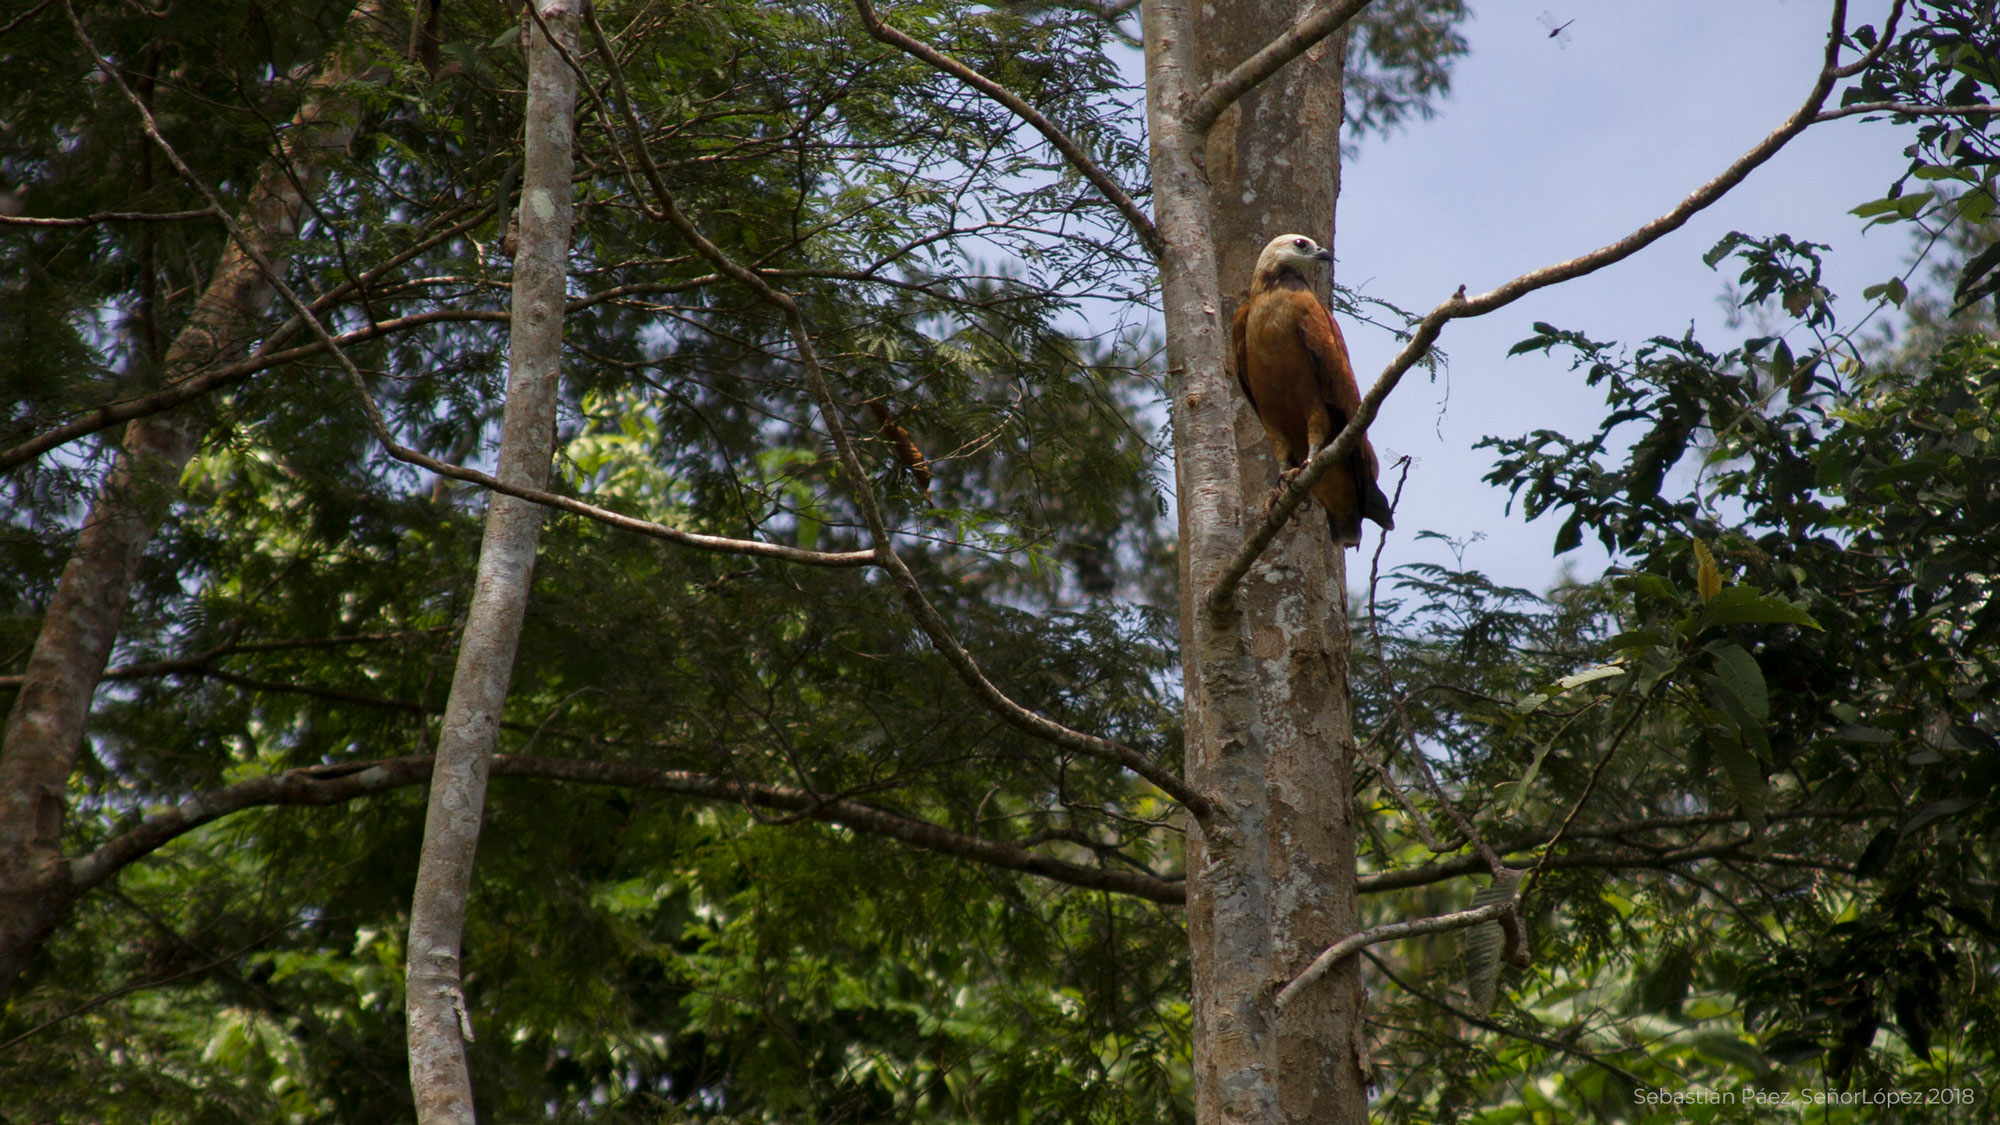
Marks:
<point>1707,576</point>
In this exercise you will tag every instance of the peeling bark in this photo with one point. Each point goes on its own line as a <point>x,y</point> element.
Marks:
<point>45,728</point>
<point>439,1022</point>
<point>1271,878</point>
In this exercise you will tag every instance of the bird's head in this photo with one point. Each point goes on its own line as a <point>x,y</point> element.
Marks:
<point>1292,251</point>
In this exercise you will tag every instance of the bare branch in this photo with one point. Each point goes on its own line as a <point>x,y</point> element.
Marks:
<point>1495,1026</point>
<point>1907,108</point>
<point>378,425</point>
<point>1142,223</point>
<point>105,217</point>
<point>935,628</point>
<point>328,785</point>
<point>1296,40</point>
<point>200,660</point>
<point>1337,451</point>
<point>1654,858</point>
<point>24,17</point>
<point>1356,942</point>
<point>192,387</point>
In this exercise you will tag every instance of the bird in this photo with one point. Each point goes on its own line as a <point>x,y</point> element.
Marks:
<point>1292,365</point>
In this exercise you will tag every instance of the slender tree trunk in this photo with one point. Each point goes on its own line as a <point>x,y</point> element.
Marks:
<point>1268,729</point>
<point>45,728</point>
<point>439,1023</point>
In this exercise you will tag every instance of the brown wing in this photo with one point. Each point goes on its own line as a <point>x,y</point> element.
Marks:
<point>1347,503</point>
<point>1331,369</point>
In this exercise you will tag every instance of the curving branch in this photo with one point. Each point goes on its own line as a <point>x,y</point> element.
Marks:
<point>199,662</point>
<point>1222,594</point>
<point>1356,942</point>
<point>663,207</point>
<point>1142,223</point>
<point>186,390</point>
<point>1210,104</point>
<point>335,784</point>
<point>105,217</point>
<point>1628,860</point>
<point>1476,1020</point>
<point>379,426</point>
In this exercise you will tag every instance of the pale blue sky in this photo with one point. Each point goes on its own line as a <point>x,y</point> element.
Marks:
<point>1542,153</point>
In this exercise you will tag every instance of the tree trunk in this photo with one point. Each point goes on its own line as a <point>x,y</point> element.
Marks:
<point>1268,729</point>
<point>46,725</point>
<point>439,1023</point>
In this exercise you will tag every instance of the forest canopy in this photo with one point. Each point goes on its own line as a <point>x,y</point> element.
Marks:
<point>841,774</point>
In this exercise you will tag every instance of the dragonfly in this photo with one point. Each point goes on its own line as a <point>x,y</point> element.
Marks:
<point>1558,31</point>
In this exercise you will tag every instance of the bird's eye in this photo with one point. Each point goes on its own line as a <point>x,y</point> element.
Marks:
<point>1299,243</point>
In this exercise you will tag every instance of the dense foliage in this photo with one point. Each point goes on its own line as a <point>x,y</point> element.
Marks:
<point>1747,777</point>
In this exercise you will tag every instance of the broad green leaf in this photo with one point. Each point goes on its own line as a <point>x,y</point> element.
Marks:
<point>1744,604</point>
<point>1745,773</point>
<point>1736,670</point>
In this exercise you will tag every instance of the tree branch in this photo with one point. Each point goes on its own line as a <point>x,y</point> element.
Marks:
<point>1356,942</point>
<point>1495,1026</point>
<point>1296,40</point>
<point>105,217</point>
<point>1142,223</point>
<point>1337,451</point>
<point>200,661</point>
<point>379,426</point>
<point>1907,108</point>
<point>935,628</point>
<point>329,785</point>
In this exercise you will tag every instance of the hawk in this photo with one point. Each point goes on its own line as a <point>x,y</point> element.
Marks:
<point>1292,366</point>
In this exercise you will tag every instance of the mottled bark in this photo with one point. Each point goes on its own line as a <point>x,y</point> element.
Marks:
<point>45,728</point>
<point>1271,877</point>
<point>439,1023</point>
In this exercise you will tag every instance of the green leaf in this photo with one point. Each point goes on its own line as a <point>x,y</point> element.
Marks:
<point>1937,810</point>
<point>1736,670</point>
<point>1648,585</point>
<point>1570,535</point>
<point>1892,290</point>
<point>1893,208</point>
<point>1744,771</point>
<point>1782,363</point>
<point>1875,857</point>
<point>1484,945</point>
<point>1590,675</point>
<point>1528,778</point>
<point>1747,605</point>
<point>1634,640</point>
<point>1722,248</point>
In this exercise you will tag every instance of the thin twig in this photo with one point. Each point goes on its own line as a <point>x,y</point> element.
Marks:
<point>378,425</point>
<point>1142,223</point>
<point>933,624</point>
<point>1495,1026</point>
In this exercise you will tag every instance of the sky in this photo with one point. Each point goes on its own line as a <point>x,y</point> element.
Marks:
<point>1544,151</point>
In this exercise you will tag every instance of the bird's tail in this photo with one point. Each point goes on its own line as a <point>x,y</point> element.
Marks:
<point>1375,506</point>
